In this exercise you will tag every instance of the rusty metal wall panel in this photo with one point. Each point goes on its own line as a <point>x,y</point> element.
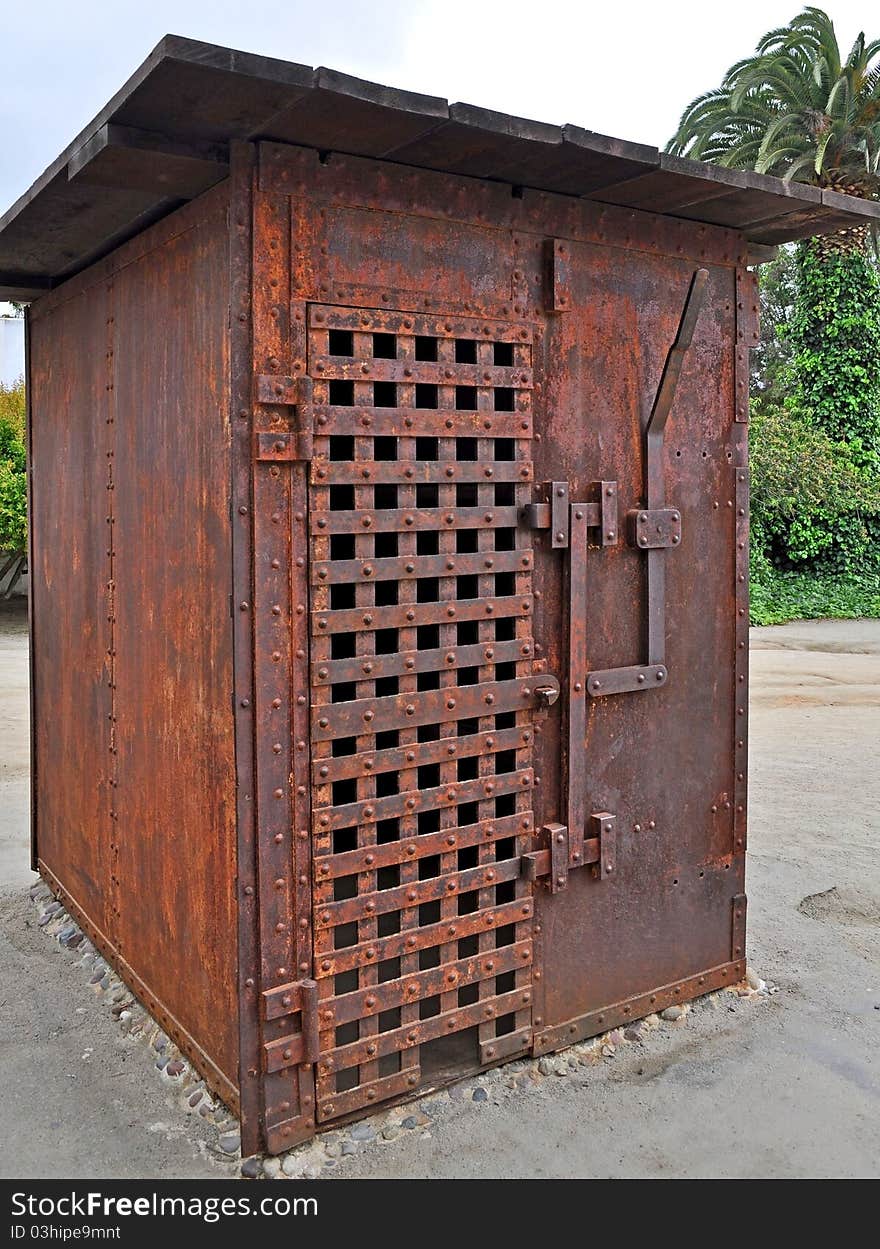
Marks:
<point>175,802</point>
<point>71,597</point>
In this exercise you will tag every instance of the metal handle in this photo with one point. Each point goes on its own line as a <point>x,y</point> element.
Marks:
<point>655,528</point>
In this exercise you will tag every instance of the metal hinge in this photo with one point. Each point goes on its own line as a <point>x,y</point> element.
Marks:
<point>564,852</point>
<point>300,997</point>
<point>295,441</point>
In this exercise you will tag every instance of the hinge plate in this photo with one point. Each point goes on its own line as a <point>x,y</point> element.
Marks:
<point>294,442</point>
<point>298,997</point>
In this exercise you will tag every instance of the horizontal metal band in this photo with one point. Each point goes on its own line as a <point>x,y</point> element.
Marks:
<point>424,472</point>
<point>412,372</point>
<point>348,421</point>
<point>373,952</point>
<point>400,898</point>
<point>407,520</point>
<point>412,567</point>
<point>405,663</point>
<point>506,1046</point>
<point>637,1007</point>
<point>414,988</point>
<point>387,321</point>
<point>408,615</point>
<point>421,846</point>
<point>410,1035</point>
<point>626,680</point>
<point>337,1104</point>
<point>399,758</point>
<point>396,711</point>
<point>412,801</point>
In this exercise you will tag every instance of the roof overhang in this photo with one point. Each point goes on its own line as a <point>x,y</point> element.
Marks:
<point>164,139</point>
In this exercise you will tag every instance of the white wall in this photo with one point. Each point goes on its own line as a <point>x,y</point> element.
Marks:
<point>11,349</point>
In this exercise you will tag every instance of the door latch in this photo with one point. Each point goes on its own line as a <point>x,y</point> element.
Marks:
<point>563,851</point>
<point>557,512</point>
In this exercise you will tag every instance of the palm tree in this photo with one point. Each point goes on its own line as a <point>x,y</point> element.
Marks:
<point>797,110</point>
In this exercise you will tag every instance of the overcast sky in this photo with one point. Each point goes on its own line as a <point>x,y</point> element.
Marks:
<point>624,69</point>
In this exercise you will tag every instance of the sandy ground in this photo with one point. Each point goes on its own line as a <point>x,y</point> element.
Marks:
<point>784,1086</point>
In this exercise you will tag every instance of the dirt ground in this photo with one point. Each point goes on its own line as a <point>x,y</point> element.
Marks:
<point>784,1086</point>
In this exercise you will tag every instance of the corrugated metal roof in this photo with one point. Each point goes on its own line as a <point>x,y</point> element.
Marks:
<point>164,138</point>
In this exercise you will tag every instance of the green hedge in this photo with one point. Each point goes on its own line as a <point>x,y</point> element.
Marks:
<point>13,473</point>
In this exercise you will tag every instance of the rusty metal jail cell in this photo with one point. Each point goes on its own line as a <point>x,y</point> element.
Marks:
<point>426,746</point>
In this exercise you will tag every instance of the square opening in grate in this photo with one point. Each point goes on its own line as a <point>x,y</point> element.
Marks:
<point>341,447</point>
<point>426,348</point>
<point>390,1064</point>
<point>386,641</point>
<point>384,448</point>
<point>340,343</point>
<point>466,398</point>
<point>427,448</point>
<point>388,924</point>
<point>385,497</point>
<point>385,394</point>
<point>342,546</point>
<point>345,935</point>
<point>466,450</point>
<point>344,839</point>
<point>388,969</point>
<point>426,395</point>
<point>502,355</point>
<point>506,585</point>
<point>387,831</point>
<point>429,913</point>
<point>341,393</point>
<point>428,822</point>
<point>384,347</point>
<point>505,400</point>
<point>385,545</point>
<point>388,877</point>
<point>427,494</point>
<point>429,958</point>
<point>341,498</point>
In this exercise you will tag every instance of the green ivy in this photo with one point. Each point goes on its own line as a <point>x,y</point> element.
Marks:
<point>835,340</point>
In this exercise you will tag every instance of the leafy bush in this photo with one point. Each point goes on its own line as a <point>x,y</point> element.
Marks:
<point>835,341</point>
<point>13,473</point>
<point>812,501</point>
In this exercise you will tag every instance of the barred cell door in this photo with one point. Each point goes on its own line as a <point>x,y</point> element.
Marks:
<point>425,696</point>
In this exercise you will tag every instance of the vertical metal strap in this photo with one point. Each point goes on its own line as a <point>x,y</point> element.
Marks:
<point>576,812</point>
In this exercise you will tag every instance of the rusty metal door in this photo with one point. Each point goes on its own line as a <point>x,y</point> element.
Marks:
<point>642,570</point>
<point>424,695</point>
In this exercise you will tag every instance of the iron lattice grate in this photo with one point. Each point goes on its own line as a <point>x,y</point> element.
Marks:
<point>421,655</point>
